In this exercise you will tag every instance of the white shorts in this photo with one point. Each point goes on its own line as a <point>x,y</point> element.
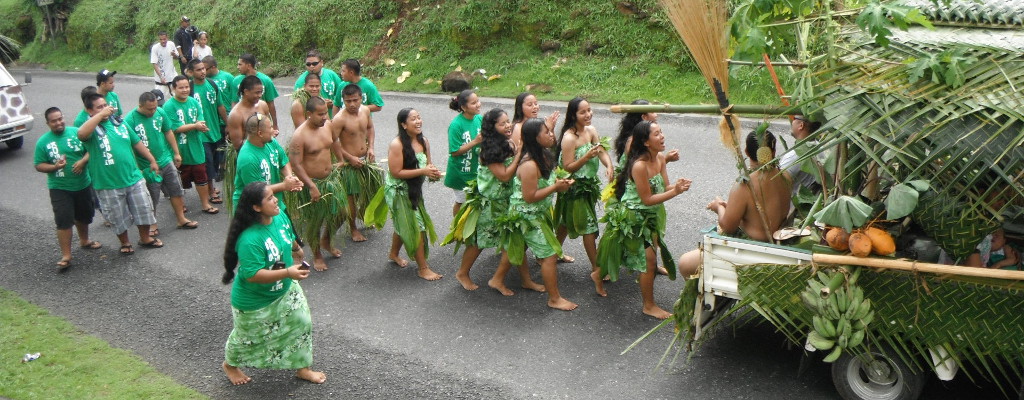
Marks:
<point>460,196</point>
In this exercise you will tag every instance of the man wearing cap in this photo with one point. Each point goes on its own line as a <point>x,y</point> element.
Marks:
<point>115,174</point>
<point>247,67</point>
<point>184,39</point>
<point>105,87</point>
<point>162,56</point>
<point>153,126</point>
<point>62,157</point>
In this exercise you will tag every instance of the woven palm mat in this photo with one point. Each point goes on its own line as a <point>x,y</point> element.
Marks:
<point>979,321</point>
<point>953,225</point>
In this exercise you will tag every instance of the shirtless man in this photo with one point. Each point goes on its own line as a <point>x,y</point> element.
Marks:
<point>771,187</point>
<point>311,88</point>
<point>309,155</point>
<point>249,103</point>
<point>353,126</point>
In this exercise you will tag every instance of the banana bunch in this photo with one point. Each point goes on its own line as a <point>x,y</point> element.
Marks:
<point>841,313</point>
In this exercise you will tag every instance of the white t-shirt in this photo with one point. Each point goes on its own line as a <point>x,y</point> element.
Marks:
<point>161,56</point>
<point>200,52</point>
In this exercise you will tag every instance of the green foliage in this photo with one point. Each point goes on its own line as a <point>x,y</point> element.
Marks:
<point>879,18</point>
<point>945,67</point>
<point>846,212</point>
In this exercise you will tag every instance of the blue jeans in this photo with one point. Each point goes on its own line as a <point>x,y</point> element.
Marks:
<point>214,160</point>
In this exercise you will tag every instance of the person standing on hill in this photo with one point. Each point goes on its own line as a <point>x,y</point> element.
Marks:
<point>330,82</point>
<point>202,48</point>
<point>62,157</point>
<point>184,39</point>
<point>351,72</point>
<point>247,67</point>
<point>162,56</point>
<point>105,87</point>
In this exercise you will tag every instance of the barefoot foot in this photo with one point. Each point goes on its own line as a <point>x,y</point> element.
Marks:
<point>500,287</point>
<point>466,282</point>
<point>399,260</point>
<point>235,375</point>
<point>428,274</point>
<point>598,283</point>
<point>326,246</point>
<point>358,236</point>
<point>319,264</point>
<point>310,375</point>
<point>562,304</point>
<point>534,286</point>
<point>657,312</point>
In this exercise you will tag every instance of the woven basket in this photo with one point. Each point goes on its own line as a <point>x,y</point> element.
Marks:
<point>953,225</point>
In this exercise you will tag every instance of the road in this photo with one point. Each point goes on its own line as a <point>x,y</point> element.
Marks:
<point>381,332</point>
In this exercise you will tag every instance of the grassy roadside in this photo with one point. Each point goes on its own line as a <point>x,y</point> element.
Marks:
<point>73,365</point>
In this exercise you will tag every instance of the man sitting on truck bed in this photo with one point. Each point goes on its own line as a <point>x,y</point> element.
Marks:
<point>740,216</point>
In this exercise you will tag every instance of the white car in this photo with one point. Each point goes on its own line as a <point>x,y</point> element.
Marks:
<point>15,118</point>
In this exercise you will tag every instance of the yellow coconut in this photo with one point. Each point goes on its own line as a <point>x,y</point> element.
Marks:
<point>881,241</point>
<point>860,244</point>
<point>837,239</point>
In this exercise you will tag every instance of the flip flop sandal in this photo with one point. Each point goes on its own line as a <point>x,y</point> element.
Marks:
<point>63,265</point>
<point>216,200</point>
<point>154,232</point>
<point>189,225</point>
<point>211,210</point>
<point>92,245</point>
<point>127,250</point>
<point>153,244</point>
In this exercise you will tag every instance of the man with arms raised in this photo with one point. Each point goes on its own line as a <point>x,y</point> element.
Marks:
<point>321,207</point>
<point>115,174</point>
<point>741,216</point>
<point>353,127</point>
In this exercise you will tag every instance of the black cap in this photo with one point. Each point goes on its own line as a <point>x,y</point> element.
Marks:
<point>185,18</point>
<point>103,75</point>
<point>159,97</point>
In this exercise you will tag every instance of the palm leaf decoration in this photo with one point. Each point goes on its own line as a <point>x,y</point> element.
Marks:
<point>10,49</point>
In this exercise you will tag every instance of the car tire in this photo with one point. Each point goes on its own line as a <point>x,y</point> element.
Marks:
<point>16,143</point>
<point>882,377</point>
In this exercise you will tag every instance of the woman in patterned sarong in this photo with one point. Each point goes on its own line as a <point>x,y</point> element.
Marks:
<point>272,326</point>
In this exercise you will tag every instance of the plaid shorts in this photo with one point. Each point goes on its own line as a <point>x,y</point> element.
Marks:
<point>123,206</point>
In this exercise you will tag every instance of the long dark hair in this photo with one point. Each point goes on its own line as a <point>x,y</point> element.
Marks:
<point>570,120</point>
<point>518,115</point>
<point>638,148</point>
<point>495,147</point>
<point>245,216</point>
<point>626,127</point>
<point>409,158</point>
<point>539,154</point>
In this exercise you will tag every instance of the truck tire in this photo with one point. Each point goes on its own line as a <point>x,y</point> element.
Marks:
<point>881,378</point>
<point>16,143</point>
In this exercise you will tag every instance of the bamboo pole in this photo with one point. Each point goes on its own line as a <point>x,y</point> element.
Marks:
<point>763,64</point>
<point>905,265</point>
<point>706,109</point>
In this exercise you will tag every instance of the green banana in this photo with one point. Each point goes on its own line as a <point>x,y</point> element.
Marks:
<point>818,323</point>
<point>863,309</point>
<point>843,341</point>
<point>856,339</point>
<point>834,355</point>
<point>842,300</point>
<point>833,307</point>
<point>824,278</point>
<point>859,325</point>
<point>852,310</point>
<point>856,295</point>
<point>830,328</point>
<point>868,318</point>
<point>837,280</point>
<point>819,342</point>
<point>844,328</point>
<point>812,301</point>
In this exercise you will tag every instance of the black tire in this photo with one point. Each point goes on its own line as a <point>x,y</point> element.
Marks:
<point>881,378</point>
<point>15,143</point>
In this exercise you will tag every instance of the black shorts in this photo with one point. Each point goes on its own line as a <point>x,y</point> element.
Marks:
<point>70,207</point>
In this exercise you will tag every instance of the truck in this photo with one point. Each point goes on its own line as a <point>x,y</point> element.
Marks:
<point>15,117</point>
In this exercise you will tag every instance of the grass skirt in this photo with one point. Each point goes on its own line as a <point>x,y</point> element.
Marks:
<point>408,223</point>
<point>278,336</point>
<point>575,209</point>
<point>309,218</point>
<point>627,234</point>
<point>362,184</point>
<point>519,230</point>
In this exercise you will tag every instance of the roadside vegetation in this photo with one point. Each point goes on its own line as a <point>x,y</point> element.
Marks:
<point>608,51</point>
<point>72,365</point>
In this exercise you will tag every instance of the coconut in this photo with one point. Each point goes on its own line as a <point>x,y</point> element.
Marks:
<point>837,239</point>
<point>860,244</point>
<point>881,241</point>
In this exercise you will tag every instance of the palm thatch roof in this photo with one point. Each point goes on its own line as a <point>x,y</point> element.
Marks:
<point>991,13</point>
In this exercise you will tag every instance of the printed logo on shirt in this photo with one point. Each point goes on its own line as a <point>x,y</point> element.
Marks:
<point>54,152</point>
<point>273,256</point>
<point>140,129</point>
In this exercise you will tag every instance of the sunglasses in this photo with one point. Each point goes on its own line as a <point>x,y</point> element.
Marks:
<point>310,64</point>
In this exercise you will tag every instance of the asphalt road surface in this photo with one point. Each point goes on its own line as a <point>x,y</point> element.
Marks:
<point>379,330</point>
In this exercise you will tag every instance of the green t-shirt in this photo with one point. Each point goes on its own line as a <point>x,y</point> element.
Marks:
<point>370,93</point>
<point>209,98</point>
<point>111,157</point>
<point>462,169</point>
<point>80,118</point>
<point>224,80</point>
<point>114,101</point>
<point>51,147</point>
<point>151,133</point>
<point>269,91</point>
<point>190,143</point>
<point>260,247</point>
<point>330,85</point>
<point>259,164</point>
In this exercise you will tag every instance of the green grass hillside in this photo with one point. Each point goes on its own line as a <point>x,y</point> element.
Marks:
<point>608,51</point>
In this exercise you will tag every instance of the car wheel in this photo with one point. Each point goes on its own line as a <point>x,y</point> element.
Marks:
<point>876,376</point>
